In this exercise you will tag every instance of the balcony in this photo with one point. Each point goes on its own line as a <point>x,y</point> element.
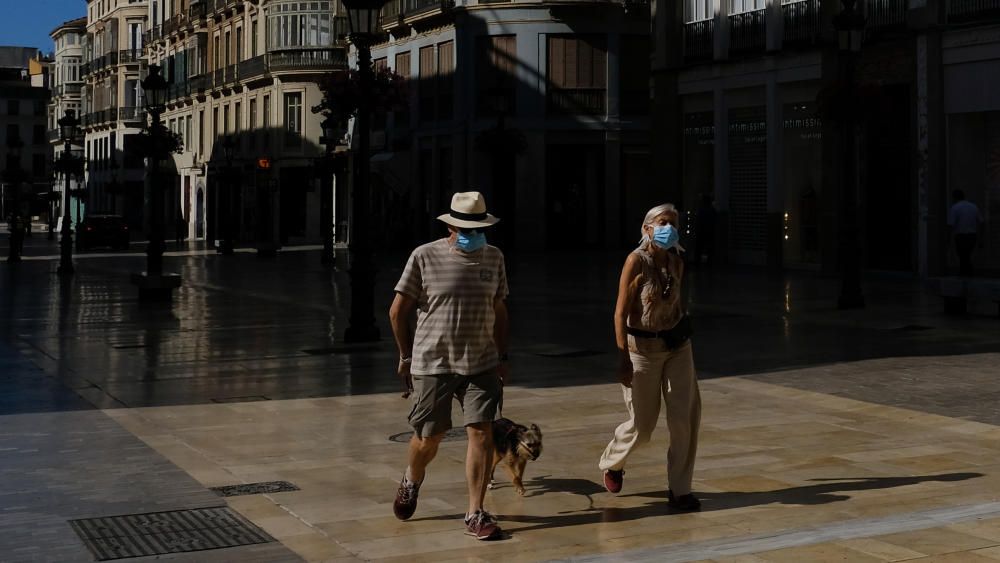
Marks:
<point>747,32</point>
<point>131,114</point>
<point>801,23</point>
<point>973,11</point>
<point>199,83</point>
<point>885,15</point>
<point>84,69</point>
<point>198,10</point>
<point>577,101</point>
<point>68,89</point>
<point>307,60</point>
<point>130,56</point>
<point>53,134</point>
<point>229,74</point>
<point>414,10</point>
<point>699,40</point>
<point>251,68</point>
<point>178,90</point>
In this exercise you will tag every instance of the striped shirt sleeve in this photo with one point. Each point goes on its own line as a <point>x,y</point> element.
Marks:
<point>411,282</point>
<point>502,290</point>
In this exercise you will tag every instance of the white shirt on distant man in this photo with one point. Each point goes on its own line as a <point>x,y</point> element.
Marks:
<point>964,218</point>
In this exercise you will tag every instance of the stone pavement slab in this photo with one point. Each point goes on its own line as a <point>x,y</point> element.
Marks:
<point>63,460</point>
<point>784,473</point>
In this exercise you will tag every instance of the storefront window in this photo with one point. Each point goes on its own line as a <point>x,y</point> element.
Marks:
<point>294,25</point>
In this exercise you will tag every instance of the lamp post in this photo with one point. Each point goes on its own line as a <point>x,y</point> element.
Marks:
<point>67,132</point>
<point>52,197</point>
<point>326,169</point>
<point>153,284</point>
<point>363,18</point>
<point>226,241</point>
<point>850,25</point>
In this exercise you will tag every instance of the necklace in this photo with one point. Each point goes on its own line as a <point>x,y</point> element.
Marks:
<point>668,285</point>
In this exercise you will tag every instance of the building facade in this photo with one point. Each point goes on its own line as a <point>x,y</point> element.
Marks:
<point>67,89</point>
<point>243,77</point>
<point>24,161</point>
<point>112,107</point>
<point>543,106</point>
<point>744,91</point>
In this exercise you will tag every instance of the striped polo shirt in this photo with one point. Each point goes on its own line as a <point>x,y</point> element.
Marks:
<point>455,292</point>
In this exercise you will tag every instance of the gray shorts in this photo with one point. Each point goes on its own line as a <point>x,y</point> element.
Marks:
<point>479,396</point>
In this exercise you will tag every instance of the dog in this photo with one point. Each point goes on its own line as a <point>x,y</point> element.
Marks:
<point>515,444</point>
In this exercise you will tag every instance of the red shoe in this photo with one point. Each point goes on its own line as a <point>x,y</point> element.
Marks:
<point>613,480</point>
<point>482,526</point>
<point>406,499</point>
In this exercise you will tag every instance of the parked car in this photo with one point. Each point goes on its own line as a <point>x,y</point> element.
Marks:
<point>103,230</point>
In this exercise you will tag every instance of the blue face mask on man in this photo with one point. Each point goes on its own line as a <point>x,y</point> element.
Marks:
<point>470,241</point>
<point>665,236</point>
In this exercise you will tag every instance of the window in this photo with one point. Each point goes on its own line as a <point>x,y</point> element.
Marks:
<point>237,117</point>
<point>226,128</point>
<point>425,100</point>
<point>633,77</point>
<point>295,24</point>
<point>13,107</point>
<point>293,119</point>
<point>228,48</point>
<point>252,126</point>
<point>38,165</point>
<point>445,79</point>
<point>253,38</point>
<point>38,135</point>
<point>741,6</point>
<point>577,73</point>
<point>217,53</point>
<point>40,106</point>
<point>215,124</point>
<point>201,132</point>
<point>239,44</point>
<point>13,133</point>
<point>496,56</point>
<point>187,133</point>
<point>403,69</point>
<point>267,120</point>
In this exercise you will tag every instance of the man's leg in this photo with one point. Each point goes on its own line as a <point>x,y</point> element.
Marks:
<point>477,462</point>
<point>421,453</point>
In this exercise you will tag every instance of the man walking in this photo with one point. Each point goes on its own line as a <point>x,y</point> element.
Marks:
<point>964,219</point>
<point>456,349</point>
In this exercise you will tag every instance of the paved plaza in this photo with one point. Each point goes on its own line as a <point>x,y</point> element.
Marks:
<point>869,435</point>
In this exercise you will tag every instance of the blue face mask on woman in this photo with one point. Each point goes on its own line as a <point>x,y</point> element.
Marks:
<point>470,241</point>
<point>665,236</point>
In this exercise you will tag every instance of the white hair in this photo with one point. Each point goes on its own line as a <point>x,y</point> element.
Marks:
<point>650,216</point>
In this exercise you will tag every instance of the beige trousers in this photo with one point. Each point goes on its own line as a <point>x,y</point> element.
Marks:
<point>657,372</point>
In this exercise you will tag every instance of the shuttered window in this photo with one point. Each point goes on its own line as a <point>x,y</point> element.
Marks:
<point>578,74</point>
<point>496,58</point>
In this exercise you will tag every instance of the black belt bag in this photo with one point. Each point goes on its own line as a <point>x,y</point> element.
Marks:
<point>673,338</point>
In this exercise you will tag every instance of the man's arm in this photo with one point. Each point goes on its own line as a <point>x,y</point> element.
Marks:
<point>501,332</point>
<point>399,318</point>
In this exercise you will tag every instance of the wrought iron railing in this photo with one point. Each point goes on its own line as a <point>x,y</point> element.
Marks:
<point>199,83</point>
<point>130,56</point>
<point>801,22</point>
<point>197,10</point>
<point>230,74</point>
<point>130,113</point>
<point>747,32</point>
<point>307,59</point>
<point>699,40</point>
<point>391,11</point>
<point>250,68</point>
<point>577,101</point>
<point>885,15</point>
<point>968,11</point>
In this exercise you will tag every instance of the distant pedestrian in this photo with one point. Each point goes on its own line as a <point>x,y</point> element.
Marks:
<point>456,350</point>
<point>17,231</point>
<point>653,335</point>
<point>965,220</point>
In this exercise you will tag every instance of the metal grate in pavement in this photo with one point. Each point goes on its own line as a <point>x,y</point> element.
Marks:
<point>452,435</point>
<point>254,488</point>
<point>160,533</point>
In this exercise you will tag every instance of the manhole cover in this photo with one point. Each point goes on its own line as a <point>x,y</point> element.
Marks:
<point>254,488</point>
<point>453,435</point>
<point>246,399</point>
<point>160,533</point>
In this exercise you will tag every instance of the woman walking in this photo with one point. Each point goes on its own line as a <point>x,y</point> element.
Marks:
<point>653,334</point>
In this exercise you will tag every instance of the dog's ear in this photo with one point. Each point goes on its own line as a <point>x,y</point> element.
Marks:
<point>536,429</point>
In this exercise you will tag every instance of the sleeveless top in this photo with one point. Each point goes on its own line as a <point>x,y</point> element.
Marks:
<point>654,307</point>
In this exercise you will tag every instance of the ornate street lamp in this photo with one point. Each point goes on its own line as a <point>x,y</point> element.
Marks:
<point>850,25</point>
<point>67,132</point>
<point>363,19</point>
<point>153,284</point>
